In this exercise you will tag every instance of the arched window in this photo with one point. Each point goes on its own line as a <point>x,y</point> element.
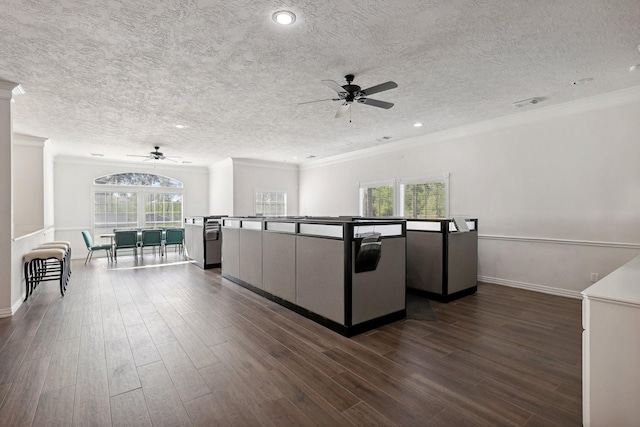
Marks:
<point>136,200</point>
<point>140,179</point>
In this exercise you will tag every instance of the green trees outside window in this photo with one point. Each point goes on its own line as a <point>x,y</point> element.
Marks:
<point>427,200</point>
<point>377,201</point>
<point>418,198</point>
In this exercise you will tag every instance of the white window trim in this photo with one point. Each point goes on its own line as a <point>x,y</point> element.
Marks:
<point>398,194</point>
<point>271,190</point>
<point>423,180</point>
<point>141,190</point>
<point>375,184</point>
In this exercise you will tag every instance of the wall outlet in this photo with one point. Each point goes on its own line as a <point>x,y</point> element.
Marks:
<point>594,277</point>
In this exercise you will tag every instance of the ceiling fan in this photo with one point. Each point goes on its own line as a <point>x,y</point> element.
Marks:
<point>156,155</point>
<point>351,93</point>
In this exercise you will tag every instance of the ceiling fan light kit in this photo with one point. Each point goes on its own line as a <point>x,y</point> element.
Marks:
<point>351,93</point>
<point>156,155</point>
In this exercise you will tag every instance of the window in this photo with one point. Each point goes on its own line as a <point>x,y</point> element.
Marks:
<point>163,210</point>
<point>377,199</point>
<point>270,203</point>
<point>114,210</point>
<point>424,198</point>
<point>136,200</point>
<point>138,179</point>
<point>411,198</point>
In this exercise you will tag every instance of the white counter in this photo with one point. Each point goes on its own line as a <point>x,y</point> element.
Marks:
<point>611,349</point>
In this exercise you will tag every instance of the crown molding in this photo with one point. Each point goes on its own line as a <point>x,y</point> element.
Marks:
<point>594,103</point>
<point>34,141</point>
<point>223,164</point>
<point>127,165</point>
<point>6,89</point>
<point>264,164</point>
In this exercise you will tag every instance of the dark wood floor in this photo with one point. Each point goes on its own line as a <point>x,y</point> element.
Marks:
<point>176,345</point>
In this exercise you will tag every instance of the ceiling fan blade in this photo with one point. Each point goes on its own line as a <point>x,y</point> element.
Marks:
<point>335,86</point>
<point>379,88</point>
<point>319,100</point>
<point>375,103</point>
<point>135,155</point>
<point>343,109</point>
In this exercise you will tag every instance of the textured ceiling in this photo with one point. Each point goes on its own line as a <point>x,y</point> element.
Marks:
<point>113,77</point>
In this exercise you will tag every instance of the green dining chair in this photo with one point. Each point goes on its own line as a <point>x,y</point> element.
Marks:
<point>151,238</point>
<point>91,247</point>
<point>175,237</point>
<point>125,239</point>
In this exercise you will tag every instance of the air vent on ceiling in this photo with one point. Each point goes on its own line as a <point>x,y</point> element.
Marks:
<point>526,102</point>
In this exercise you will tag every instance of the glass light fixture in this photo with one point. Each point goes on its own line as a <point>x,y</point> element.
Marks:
<point>284,17</point>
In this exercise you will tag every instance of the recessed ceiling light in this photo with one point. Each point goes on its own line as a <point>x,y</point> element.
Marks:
<point>582,81</point>
<point>417,125</point>
<point>284,17</point>
<point>179,126</point>
<point>295,157</point>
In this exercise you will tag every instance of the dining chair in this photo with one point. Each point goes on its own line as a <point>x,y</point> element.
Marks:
<point>125,239</point>
<point>91,247</point>
<point>174,236</point>
<point>151,238</point>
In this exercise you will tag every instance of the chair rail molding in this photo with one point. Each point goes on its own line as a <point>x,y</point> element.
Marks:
<point>522,239</point>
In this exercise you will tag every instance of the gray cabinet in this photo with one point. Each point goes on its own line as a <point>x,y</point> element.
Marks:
<point>442,261</point>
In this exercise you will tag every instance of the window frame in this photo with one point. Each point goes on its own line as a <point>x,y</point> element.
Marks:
<point>398,185</point>
<point>362,186</point>
<point>271,190</point>
<point>141,192</point>
<point>443,178</point>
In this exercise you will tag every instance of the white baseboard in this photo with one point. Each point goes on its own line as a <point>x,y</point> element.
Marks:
<point>531,287</point>
<point>8,312</point>
<point>17,305</point>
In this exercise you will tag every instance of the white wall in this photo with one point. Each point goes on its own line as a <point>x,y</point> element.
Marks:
<point>28,184</point>
<point>249,175</point>
<point>221,187</point>
<point>49,201</point>
<point>6,204</point>
<point>556,190</point>
<point>73,179</point>
<point>32,177</point>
